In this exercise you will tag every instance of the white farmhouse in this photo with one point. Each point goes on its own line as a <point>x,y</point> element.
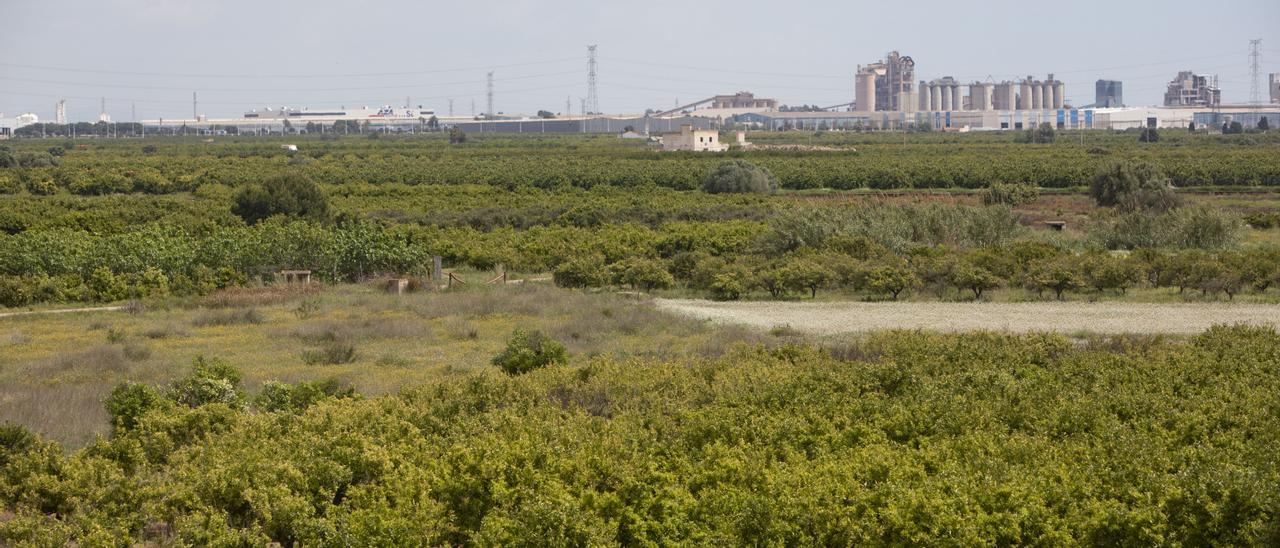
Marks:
<point>700,140</point>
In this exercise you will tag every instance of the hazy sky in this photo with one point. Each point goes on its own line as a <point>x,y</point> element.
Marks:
<point>243,54</point>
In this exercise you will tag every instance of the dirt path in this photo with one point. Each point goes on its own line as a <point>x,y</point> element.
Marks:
<point>1067,317</point>
<point>60,311</point>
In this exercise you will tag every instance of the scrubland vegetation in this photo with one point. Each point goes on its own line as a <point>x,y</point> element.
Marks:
<point>900,438</point>
<point>221,409</point>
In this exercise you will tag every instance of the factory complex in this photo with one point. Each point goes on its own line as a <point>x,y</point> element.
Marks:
<point>887,94</point>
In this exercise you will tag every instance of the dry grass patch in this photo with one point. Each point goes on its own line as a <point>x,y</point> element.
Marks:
<point>209,318</point>
<point>264,295</point>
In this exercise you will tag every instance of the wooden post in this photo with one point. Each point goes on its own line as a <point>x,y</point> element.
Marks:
<point>437,268</point>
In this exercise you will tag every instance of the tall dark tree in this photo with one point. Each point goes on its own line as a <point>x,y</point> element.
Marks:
<point>292,194</point>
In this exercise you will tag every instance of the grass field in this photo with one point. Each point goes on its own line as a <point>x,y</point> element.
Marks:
<point>55,370</point>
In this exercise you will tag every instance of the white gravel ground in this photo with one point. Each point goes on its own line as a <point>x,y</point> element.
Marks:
<point>1066,317</point>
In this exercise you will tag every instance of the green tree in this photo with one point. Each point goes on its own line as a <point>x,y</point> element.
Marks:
<point>529,350</point>
<point>291,194</point>
<point>642,273</point>
<point>1263,124</point>
<point>740,176</point>
<point>728,286</point>
<point>805,274</point>
<point>1149,135</point>
<point>891,278</point>
<point>1059,276</point>
<point>979,280</point>
<point>771,279</point>
<point>582,272</point>
<point>1105,272</point>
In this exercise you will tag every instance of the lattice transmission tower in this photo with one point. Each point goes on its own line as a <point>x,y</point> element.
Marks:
<point>593,100</point>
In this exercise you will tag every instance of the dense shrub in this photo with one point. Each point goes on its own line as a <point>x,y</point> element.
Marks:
<point>1010,194</point>
<point>583,271</point>
<point>642,273</point>
<point>529,350</point>
<point>1133,187</point>
<point>277,396</point>
<point>975,439</point>
<point>211,381</point>
<point>292,195</point>
<point>737,176</point>
<point>129,401</point>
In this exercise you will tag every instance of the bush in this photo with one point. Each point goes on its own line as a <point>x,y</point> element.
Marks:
<point>1044,134</point>
<point>582,272</point>
<point>279,396</point>
<point>642,273</point>
<point>1150,135</point>
<point>1010,194</point>
<point>291,194</point>
<point>211,381</point>
<point>529,350</point>
<point>332,353</point>
<point>1200,227</point>
<point>740,176</point>
<point>210,318</point>
<point>1133,187</point>
<point>129,401</point>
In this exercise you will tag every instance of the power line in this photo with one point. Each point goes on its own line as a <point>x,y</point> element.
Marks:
<point>273,75</point>
<point>248,90</point>
<point>267,102</point>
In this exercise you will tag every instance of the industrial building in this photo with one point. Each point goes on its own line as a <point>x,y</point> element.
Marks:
<point>941,94</point>
<point>947,95</point>
<point>723,106</point>
<point>1108,94</point>
<point>743,99</point>
<point>1248,119</point>
<point>1191,89</point>
<point>887,85</point>
<point>9,125</point>
<point>592,124</point>
<point>1004,119</point>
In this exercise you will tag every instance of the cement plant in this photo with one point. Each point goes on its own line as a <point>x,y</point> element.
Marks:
<point>887,94</point>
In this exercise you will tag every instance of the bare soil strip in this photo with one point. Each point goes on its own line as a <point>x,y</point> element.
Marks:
<point>1066,317</point>
<point>61,311</point>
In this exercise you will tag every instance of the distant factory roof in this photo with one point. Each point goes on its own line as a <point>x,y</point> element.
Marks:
<point>813,114</point>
